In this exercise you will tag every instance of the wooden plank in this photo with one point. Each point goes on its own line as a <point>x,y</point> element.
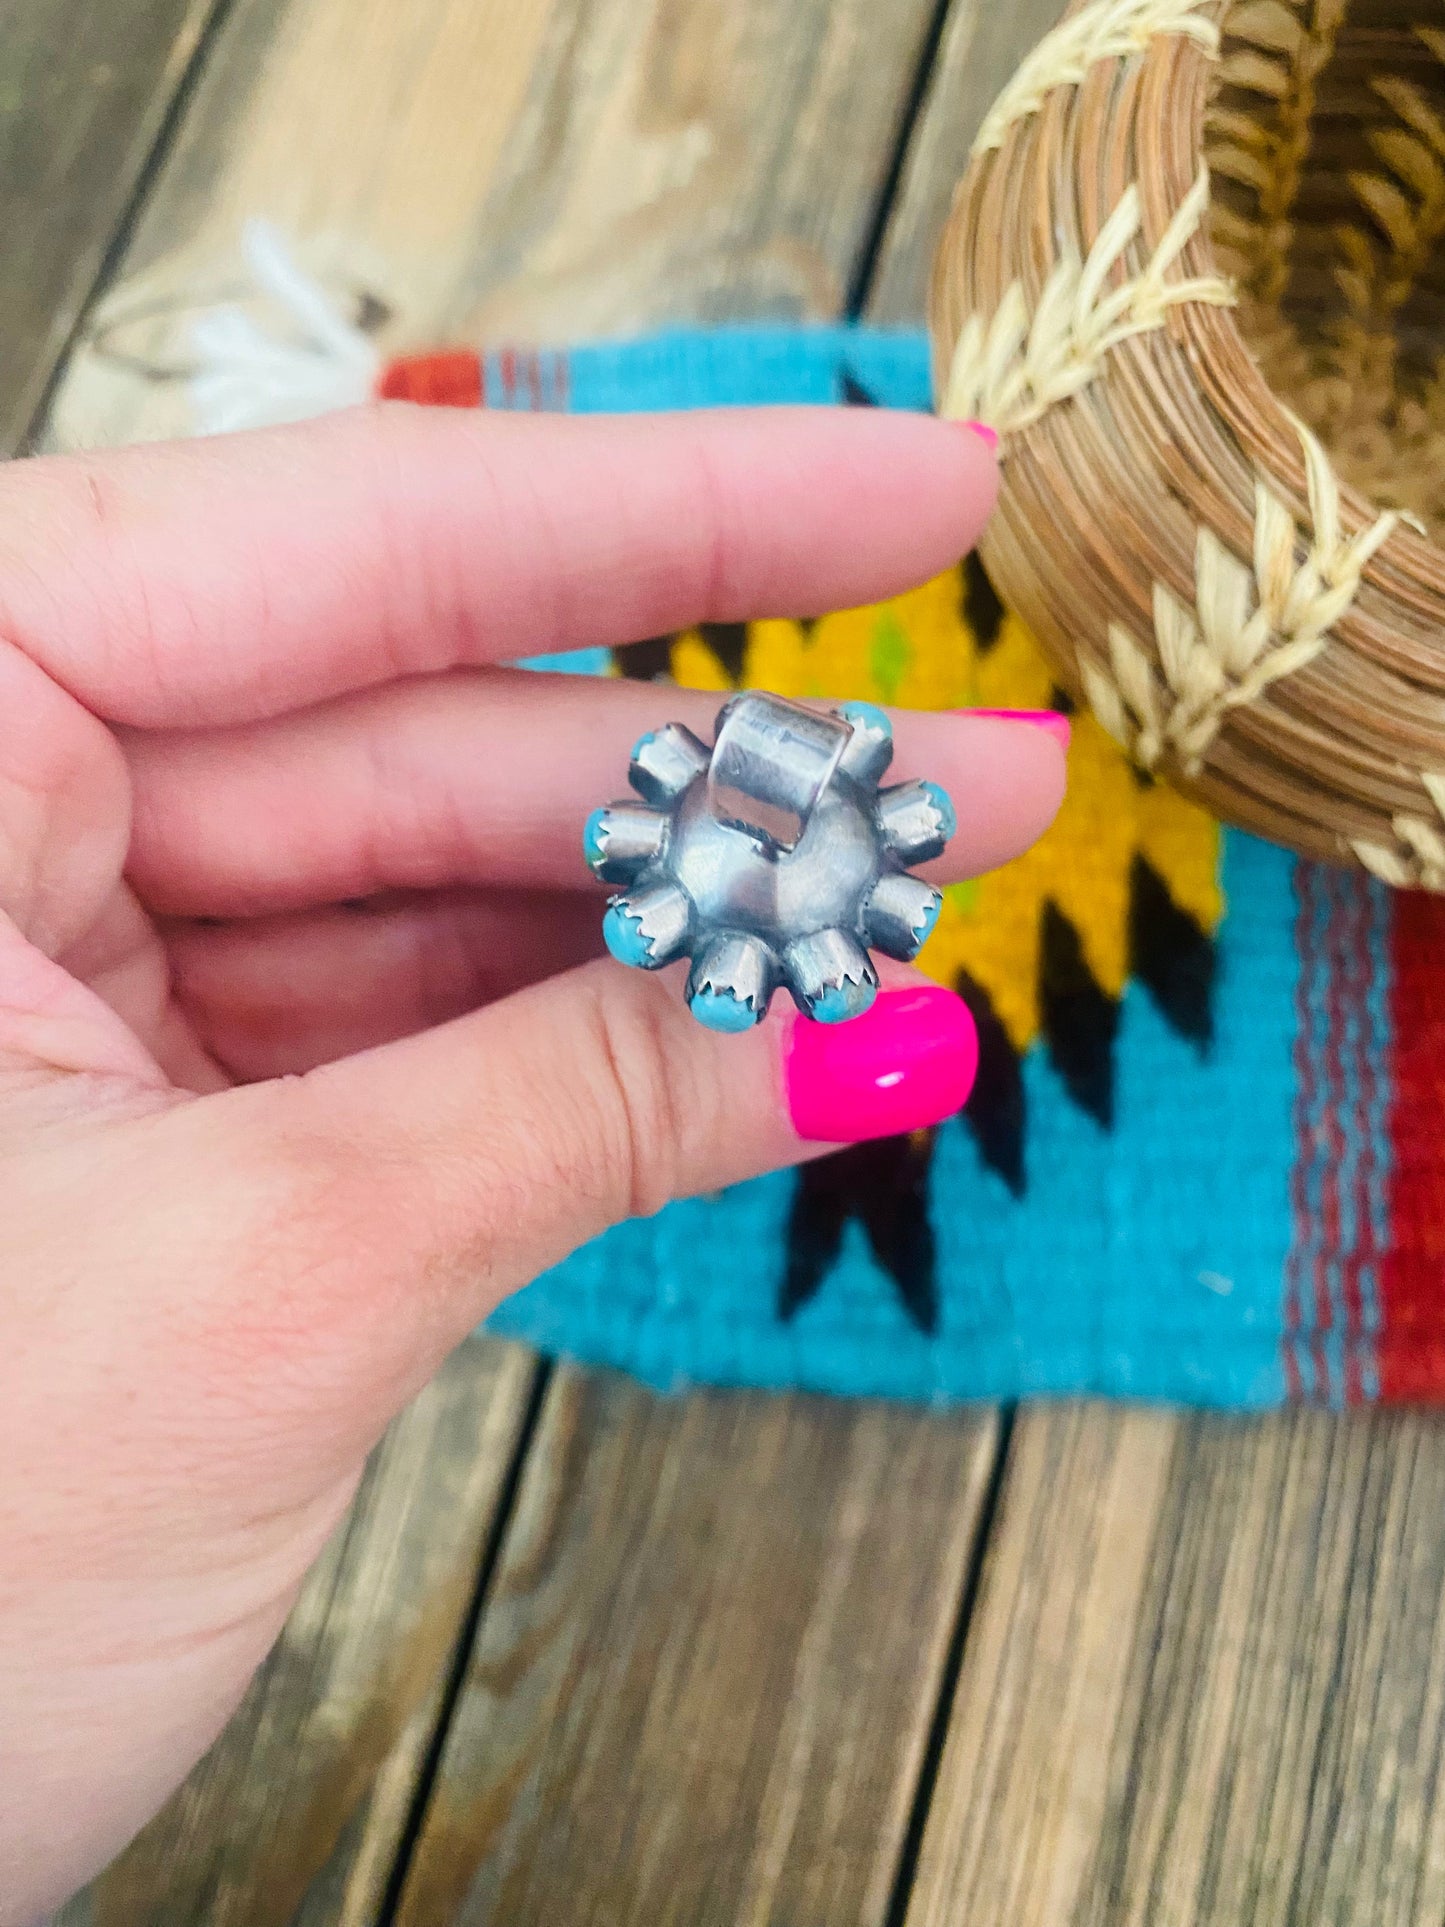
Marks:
<point>1022,1785</point>
<point>980,48</point>
<point>1203,1683</point>
<point>368,124</point>
<point>544,168</point>
<point>369,135</point>
<point>293,1818</point>
<point>703,1684</point>
<point>85,94</point>
<point>704,1681</point>
<point>520,169</point>
<point>1206,1683</point>
<point>721,160</point>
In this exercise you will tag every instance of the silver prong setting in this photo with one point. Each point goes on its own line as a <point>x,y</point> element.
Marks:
<point>622,840</point>
<point>831,976</point>
<point>917,820</point>
<point>899,916</point>
<point>665,762</point>
<point>870,749</point>
<point>649,928</point>
<point>732,983</point>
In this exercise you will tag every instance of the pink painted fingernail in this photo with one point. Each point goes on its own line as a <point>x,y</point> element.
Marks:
<point>908,1062</point>
<point>1057,726</point>
<point>985,434</point>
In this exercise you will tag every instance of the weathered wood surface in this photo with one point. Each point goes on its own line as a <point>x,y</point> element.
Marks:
<point>1205,1683</point>
<point>1202,1683</point>
<point>295,1817</point>
<point>84,94</point>
<point>594,1769</point>
<point>645,161</point>
<point>978,50</point>
<point>367,134</point>
<point>520,169</point>
<point>704,1681</point>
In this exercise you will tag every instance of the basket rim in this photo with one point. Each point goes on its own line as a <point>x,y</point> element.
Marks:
<point>1164,57</point>
<point>1169,43</point>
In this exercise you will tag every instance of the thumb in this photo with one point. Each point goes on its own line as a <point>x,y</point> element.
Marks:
<point>426,1180</point>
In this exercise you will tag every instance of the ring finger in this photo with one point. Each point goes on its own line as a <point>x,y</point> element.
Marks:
<point>484,777</point>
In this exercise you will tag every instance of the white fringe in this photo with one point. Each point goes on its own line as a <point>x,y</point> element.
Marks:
<point>247,377</point>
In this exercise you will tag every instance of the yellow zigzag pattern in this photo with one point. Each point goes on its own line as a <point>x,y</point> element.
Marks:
<point>918,651</point>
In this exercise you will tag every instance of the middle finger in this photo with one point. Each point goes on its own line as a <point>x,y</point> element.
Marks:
<point>485,777</point>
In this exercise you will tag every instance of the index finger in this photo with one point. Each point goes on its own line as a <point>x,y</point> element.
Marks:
<point>224,581</point>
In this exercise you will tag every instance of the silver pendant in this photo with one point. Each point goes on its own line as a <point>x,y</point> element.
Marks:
<point>771,860</point>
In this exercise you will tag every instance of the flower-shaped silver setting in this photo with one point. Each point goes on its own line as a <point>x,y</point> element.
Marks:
<point>773,860</point>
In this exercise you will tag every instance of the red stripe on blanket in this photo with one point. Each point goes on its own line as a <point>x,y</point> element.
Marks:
<point>451,379</point>
<point>1412,1345</point>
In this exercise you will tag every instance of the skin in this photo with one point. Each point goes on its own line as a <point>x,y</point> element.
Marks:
<point>306,1056</point>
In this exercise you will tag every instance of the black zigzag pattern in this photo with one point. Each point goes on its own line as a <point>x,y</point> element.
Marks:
<point>982,610</point>
<point>649,661</point>
<point>885,1187</point>
<point>1171,956</point>
<point>996,1111</point>
<point>1080,1019</point>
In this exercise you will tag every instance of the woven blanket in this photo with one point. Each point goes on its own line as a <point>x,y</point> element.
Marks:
<point>1205,1158</point>
<point>1204,1161</point>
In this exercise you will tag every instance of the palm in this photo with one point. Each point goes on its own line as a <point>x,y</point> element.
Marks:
<point>123,959</point>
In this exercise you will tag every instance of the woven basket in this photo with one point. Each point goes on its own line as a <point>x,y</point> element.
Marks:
<point>1195,277</point>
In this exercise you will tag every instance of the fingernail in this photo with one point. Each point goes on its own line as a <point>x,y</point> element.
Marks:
<point>1047,719</point>
<point>987,435</point>
<point>908,1062</point>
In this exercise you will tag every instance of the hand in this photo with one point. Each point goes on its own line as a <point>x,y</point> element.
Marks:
<point>303,1062</point>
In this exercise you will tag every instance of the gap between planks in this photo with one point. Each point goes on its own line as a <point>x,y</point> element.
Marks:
<point>542,1812</point>
<point>84,109</point>
<point>1202,1683</point>
<point>1206,1679</point>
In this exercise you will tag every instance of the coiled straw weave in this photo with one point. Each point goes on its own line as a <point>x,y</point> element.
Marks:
<point>1195,277</point>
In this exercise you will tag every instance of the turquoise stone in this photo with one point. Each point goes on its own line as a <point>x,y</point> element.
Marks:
<point>842,1003</point>
<point>866,716</point>
<point>721,1010</point>
<point>592,840</point>
<point>925,925</point>
<point>943,803</point>
<point>622,933</point>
